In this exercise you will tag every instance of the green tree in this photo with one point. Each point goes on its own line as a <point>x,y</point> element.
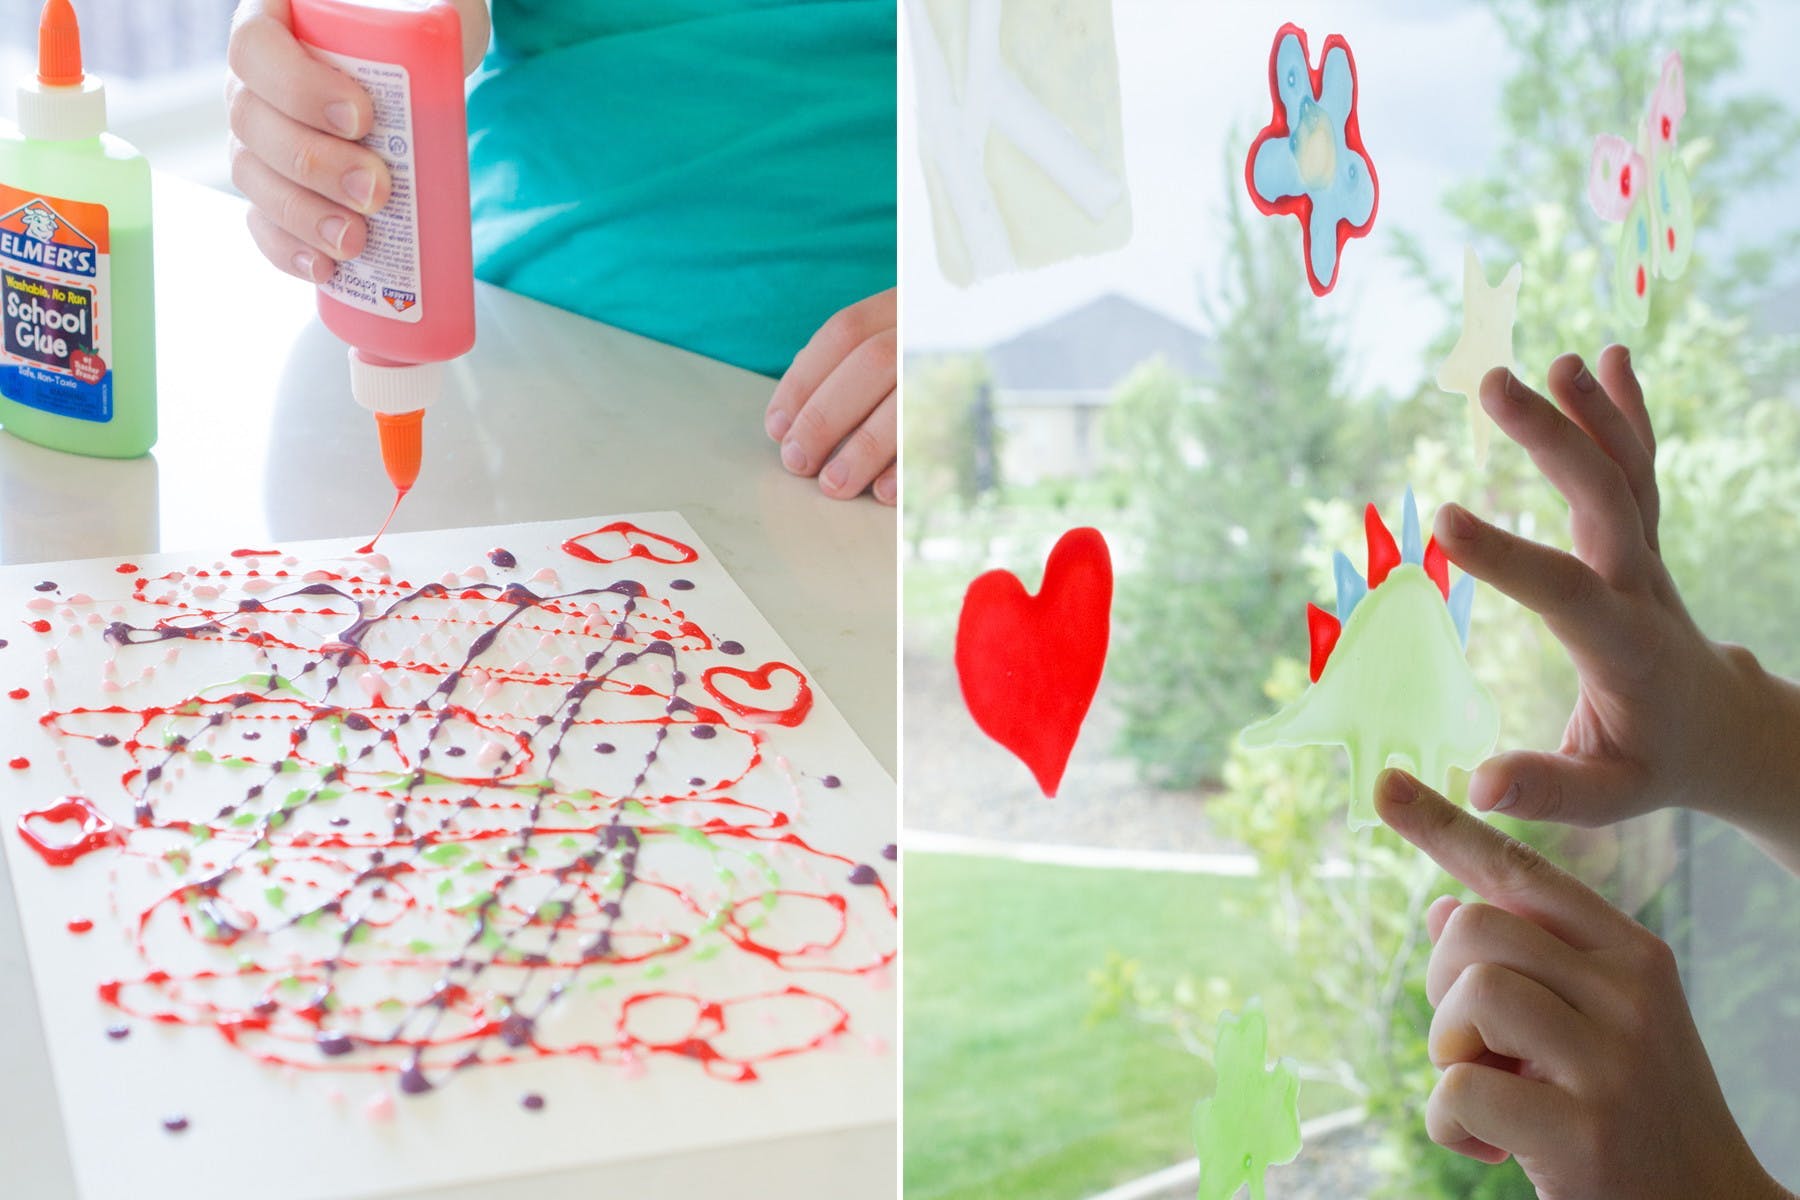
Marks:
<point>1220,472</point>
<point>941,458</point>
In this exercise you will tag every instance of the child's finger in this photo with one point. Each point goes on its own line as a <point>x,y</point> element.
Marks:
<point>1485,933</point>
<point>1494,1009</point>
<point>329,228</point>
<point>835,341</point>
<point>1582,398</point>
<point>288,252</point>
<point>1496,1109</point>
<point>1437,916</point>
<point>867,452</point>
<point>1627,395</point>
<point>1621,383</point>
<point>1478,1150</point>
<point>887,486</point>
<point>1573,789</point>
<point>1573,600</point>
<point>1501,869</point>
<point>341,171</point>
<point>849,395</point>
<point>271,63</point>
<point>1609,533</point>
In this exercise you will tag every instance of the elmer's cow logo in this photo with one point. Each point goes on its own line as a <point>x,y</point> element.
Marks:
<point>401,301</point>
<point>36,236</point>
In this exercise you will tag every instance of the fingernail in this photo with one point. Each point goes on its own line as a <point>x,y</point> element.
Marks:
<point>1508,798</point>
<point>885,488</point>
<point>836,476</point>
<point>1625,353</point>
<point>1462,523</point>
<point>778,423</point>
<point>342,117</point>
<point>359,185</point>
<point>1515,390</point>
<point>332,231</point>
<point>1584,379</point>
<point>1398,787</point>
<point>305,262</point>
<point>794,458</point>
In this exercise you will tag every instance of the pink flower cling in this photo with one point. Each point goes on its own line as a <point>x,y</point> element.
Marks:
<point>407,304</point>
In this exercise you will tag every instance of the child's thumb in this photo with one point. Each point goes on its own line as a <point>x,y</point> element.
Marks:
<point>1573,789</point>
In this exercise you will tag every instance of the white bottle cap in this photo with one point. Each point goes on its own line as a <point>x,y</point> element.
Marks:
<point>394,389</point>
<point>62,114</point>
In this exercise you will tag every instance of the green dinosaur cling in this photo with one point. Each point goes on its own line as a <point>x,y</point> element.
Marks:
<point>1391,683</point>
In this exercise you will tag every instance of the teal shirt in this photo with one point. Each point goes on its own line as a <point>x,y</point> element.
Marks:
<point>715,174</point>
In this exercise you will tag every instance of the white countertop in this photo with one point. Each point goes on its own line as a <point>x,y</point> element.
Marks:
<point>552,416</point>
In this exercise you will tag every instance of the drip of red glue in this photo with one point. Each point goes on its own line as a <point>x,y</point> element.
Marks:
<point>399,495</point>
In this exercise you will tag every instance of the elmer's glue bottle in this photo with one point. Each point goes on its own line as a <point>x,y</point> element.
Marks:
<point>78,350</point>
<point>407,304</point>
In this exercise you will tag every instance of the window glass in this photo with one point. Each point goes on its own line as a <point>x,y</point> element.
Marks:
<point>1188,395</point>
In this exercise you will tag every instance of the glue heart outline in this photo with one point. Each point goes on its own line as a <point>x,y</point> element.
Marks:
<point>640,543</point>
<point>760,680</point>
<point>97,830</point>
<point>1029,665</point>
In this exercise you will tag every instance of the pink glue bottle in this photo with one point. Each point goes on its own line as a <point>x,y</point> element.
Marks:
<point>406,306</point>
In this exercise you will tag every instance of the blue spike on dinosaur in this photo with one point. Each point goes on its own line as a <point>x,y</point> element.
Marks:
<point>1462,598</point>
<point>1350,585</point>
<point>1412,549</point>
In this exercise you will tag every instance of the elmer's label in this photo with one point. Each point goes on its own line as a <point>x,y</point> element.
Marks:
<point>384,279</point>
<point>55,267</point>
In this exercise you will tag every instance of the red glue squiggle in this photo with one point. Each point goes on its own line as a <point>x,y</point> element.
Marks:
<point>415,829</point>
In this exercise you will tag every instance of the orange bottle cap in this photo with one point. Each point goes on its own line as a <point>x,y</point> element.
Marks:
<point>402,446</point>
<point>59,46</point>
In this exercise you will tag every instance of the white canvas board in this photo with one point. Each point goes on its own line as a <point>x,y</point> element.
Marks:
<point>282,937</point>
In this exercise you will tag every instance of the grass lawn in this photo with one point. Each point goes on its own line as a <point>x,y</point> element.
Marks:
<point>1009,1091</point>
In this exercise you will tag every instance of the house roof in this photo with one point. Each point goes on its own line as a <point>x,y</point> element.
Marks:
<point>1094,347</point>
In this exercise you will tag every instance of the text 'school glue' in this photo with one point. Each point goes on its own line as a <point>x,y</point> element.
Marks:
<point>407,304</point>
<point>78,353</point>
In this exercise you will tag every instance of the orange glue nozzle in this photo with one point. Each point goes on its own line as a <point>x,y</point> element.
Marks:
<point>59,46</point>
<point>402,446</point>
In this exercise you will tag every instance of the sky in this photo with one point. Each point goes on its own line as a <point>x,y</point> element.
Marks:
<point>1193,73</point>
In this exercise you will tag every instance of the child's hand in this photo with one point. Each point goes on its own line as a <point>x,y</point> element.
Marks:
<point>834,412</point>
<point>295,124</point>
<point>1664,716</point>
<point>1561,1028</point>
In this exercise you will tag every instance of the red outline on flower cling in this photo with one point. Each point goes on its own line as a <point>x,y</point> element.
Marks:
<point>1300,206</point>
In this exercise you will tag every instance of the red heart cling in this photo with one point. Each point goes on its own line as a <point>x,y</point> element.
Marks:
<point>759,681</point>
<point>1030,665</point>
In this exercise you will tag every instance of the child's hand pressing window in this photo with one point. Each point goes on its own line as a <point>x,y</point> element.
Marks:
<point>1665,716</point>
<point>1561,1029</point>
